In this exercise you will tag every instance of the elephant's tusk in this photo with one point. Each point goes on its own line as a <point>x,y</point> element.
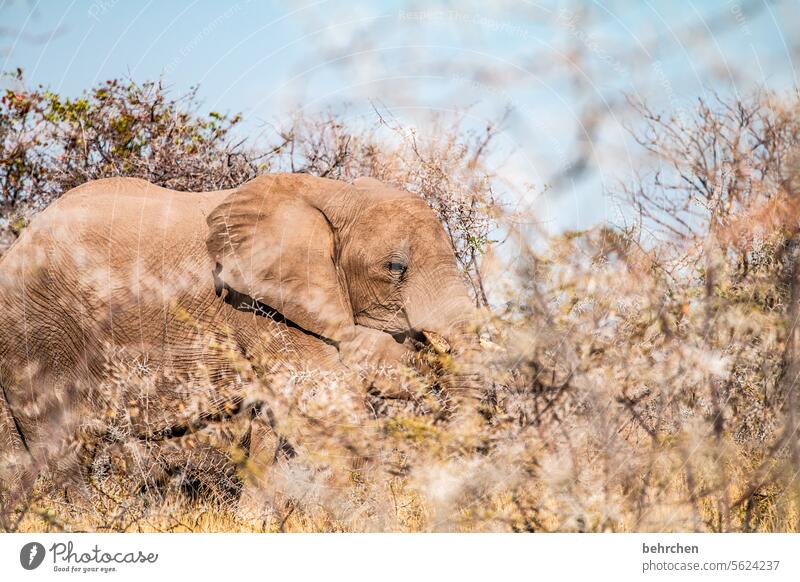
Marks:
<point>438,343</point>
<point>488,344</point>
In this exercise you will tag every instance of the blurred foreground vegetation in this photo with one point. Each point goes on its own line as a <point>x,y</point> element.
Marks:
<point>644,374</point>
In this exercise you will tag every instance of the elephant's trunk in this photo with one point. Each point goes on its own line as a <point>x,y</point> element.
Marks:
<point>447,323</point>
<point>464,376</point>
<point>463,372</point>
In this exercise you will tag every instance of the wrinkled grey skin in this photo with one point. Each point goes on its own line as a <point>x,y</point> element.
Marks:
<point>174,282</point>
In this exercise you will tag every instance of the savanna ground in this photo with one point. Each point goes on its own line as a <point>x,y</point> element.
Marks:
<point>643,375</point>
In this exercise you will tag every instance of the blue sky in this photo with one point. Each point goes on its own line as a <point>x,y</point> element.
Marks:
<point>265,59</point>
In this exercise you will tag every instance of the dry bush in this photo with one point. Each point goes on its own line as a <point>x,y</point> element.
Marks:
<point>642,378</point>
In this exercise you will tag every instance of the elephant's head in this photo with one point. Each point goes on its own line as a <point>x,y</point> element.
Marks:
<point>364,266</point>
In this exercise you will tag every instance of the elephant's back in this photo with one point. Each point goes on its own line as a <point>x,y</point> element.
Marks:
<point>111,224</point>
<point>124,207</point>
<point>106,264</point>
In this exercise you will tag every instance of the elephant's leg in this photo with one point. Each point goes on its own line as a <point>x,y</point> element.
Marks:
<point>266,448</point>
<point>199,468</point>
<point>18,472</point>
<point>52,434</point>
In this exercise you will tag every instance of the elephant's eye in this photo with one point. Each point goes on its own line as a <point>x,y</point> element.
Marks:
<point>396,268</point>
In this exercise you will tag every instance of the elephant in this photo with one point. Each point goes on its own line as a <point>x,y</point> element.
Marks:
<point>287,271</point>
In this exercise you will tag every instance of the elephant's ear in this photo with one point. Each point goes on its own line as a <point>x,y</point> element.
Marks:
<point>274,246</point>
